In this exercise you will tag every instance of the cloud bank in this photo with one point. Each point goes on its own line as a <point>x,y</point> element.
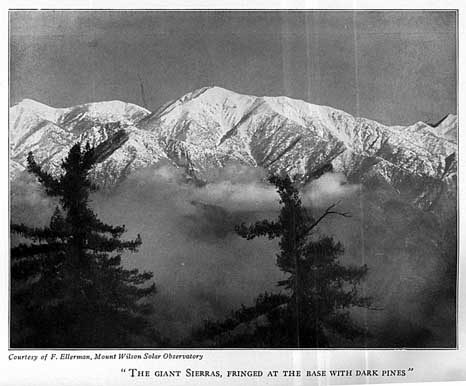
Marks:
<point>203,270</point>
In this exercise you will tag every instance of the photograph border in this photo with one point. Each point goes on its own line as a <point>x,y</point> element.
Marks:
<point>303,10</point>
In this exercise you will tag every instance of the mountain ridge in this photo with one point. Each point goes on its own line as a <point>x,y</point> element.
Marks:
<point>211,127</point>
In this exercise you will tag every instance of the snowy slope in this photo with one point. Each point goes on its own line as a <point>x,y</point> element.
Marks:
<point>50,132</point>
<point>447,128</point>
<point>213,126</point>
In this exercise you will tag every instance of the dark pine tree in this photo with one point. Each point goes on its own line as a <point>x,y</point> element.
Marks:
<point>69,288</point>
<point>320,288</point>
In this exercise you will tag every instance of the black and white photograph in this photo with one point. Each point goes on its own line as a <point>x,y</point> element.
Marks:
<point>217,179</point>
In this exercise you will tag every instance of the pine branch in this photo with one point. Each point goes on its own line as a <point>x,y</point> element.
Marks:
<point>26,250</point>
<point>52,185</point>
<point>134,276</point>
<point>260,228</point>
<point>109,261</point>
<point>143,292</point>
<point>100,243</point>
<point>95,223</point>
<point>37,234</point>
<point>88,157</point>
<point>328,211</point>
<point>25,268</point>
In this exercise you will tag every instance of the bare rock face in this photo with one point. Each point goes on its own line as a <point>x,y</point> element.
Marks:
<point>211,127</point>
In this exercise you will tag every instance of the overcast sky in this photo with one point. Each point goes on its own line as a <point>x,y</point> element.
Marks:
<point>394,67</point>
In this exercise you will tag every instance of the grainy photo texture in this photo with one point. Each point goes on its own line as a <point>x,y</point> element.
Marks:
<point>233,179</point>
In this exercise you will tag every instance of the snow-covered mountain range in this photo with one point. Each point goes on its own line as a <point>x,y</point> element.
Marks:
<point>212,126</point>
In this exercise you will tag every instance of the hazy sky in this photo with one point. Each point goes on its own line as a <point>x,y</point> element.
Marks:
<point>394,67</point>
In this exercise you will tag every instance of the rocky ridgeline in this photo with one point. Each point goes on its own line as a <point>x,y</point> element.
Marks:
<point>212,127</point>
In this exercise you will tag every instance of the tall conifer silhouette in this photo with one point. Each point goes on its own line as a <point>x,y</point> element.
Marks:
<point>69,288</point>
<point>320,288</point>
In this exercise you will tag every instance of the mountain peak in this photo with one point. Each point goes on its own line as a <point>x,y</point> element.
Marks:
<point>213,93</point>
<point>33,106</point>
<point>30,106</point>
<point>31,103</point>
<point>113,106</point>
<point>445,120</point>
<point>447,127</point>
